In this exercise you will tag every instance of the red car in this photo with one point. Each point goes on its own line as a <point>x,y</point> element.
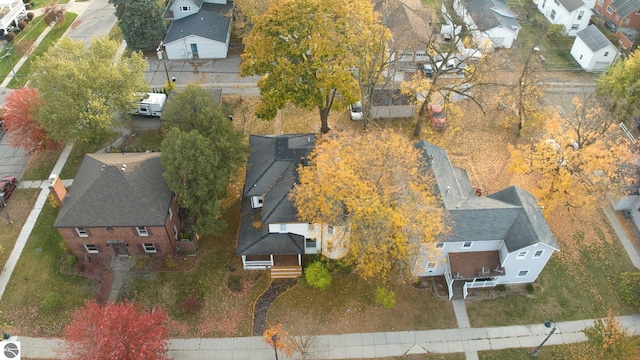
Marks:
<point>7,185</point>
<point>437,116</point>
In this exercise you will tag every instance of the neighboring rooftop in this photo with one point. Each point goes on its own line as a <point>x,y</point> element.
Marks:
<point>593,38</point>
<point>211,22</point>
<point>488,14</point>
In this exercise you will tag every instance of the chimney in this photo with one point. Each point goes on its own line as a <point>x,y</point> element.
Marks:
<point>57,189</point>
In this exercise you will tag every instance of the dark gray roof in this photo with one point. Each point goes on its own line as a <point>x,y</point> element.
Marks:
<point>271,173</point>
<point>571,5</point>
<point>511,215</point>
<point>488,14</point>
<point>213,21</point>
<point>625,8</point>
<point>103,195</point>
<point>594,39</point>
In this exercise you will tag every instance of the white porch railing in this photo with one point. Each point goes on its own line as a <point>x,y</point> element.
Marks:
<point>258,265</point>
<point>447,277</point>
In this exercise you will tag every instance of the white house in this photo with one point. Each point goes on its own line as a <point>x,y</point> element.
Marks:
<point>574,15</point>
<point>592,50</point>
<point>11,11</point>
<point>199,29</point>
<point>491,22</point>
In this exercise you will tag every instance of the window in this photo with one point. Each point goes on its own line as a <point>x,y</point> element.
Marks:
<point>175,232</point>
<point>467,244</point>
<point>617,17</point>
<point>609,9</point>
<point>142,231</point>
<point>600,2</point>
<point>91,249</point>
<point>637,11</point>
<point>185,8</point>
<point>544,3</point>
<point>149,248</point>
<point>580,15</point>
<point>523,273</point>
<point>553,14</point>
<point>431,266</point>
<point>538,254</point>
<point>82,232</point>
<point>170,214</point>
<point>574,27</point>
<point>522,255</point>
<point>311,243</point>
<point>606,53</point>
<point>556,2</point>
<point>440,245</point>
<point>626,21</point>
<point>331,230</point>
<point>283,227</point>
<point>580,57</point>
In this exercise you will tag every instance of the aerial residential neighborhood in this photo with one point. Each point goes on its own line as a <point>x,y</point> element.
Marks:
<point>398,179</point>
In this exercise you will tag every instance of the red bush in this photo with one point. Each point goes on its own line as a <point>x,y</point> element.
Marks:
<point>10,36</point>
<point>22,24</point>
<point>30,16</point>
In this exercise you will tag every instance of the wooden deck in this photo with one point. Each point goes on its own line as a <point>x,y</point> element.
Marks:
<point>473,265</point>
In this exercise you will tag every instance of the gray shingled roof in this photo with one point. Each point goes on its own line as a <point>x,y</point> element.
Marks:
<point>571,5</point>
<point>102,195</point>
<point>213,22</point>
<point>594,39</point>
<point>625,8</point>
<point>511,215</point>
<point>168,11</point>
<point>271,173</point>
<point>488,14</point>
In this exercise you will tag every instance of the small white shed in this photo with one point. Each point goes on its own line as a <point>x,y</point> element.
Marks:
<point>592,50</point>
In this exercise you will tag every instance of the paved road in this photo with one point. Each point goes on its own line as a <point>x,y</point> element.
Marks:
<point>96,21</point>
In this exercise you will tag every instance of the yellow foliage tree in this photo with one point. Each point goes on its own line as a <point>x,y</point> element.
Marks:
<point>375,185</point>
<point>611,340</point>
<point>579,159</point>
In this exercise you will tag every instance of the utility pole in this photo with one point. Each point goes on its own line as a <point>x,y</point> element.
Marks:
<point>161,55</point>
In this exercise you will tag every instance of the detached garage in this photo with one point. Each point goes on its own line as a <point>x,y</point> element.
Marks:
<point>592,50</point>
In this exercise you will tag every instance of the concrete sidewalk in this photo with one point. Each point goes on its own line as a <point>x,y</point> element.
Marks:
<point>368,345</point>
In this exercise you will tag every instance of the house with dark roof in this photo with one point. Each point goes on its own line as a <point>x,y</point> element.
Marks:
<point>625,14</point>
<point>199,29</point>
<point>574,15</point>
<point>501,238</point>
<point>119,205</point>
<point>592,50</point>
<point>497,239</point>
<point>491,23</point>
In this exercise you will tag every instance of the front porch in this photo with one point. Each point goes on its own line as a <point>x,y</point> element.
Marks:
<point>280,266</point>
<point>478,269</point>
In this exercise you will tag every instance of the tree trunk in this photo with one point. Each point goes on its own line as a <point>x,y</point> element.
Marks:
<point>324,120</point>
<point>422,114</point>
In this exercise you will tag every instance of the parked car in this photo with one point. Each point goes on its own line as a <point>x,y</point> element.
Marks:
<point>427,69</point>
<point>7,185</point>
<point>611,26</point>
<point>437,116</point>
<point>356,111</point>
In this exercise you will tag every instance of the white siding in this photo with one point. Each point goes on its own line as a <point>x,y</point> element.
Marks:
<point>588,59</point>
<point>532,265</point>
<point>301,229</point>
<point>564,17</point>
<point>183,8</point>
<point>207,48</point>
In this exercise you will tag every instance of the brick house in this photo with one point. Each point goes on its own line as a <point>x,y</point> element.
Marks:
<point>119,205</point>
<point>625,14</point>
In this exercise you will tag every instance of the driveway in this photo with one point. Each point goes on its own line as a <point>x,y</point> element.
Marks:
<point>12,160</point>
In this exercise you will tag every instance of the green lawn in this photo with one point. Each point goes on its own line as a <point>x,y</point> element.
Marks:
<point>565,292</point>
<point>36,277</point>
<point>23,74</point>
<point>548,352</point>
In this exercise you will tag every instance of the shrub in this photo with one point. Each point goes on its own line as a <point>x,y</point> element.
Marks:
<point>10,36</point>
<point>22,24</point>
<point>530,288</point>
<point>317,276</point>
<point>234,283</point>
<point>30,16</point>
<point>385,297</point>
<point>53,13</point>
<point>67,263</point>
<point>501,288</point>
<point>630,288</point>
<point>191,304</point>
<point>52,302</point>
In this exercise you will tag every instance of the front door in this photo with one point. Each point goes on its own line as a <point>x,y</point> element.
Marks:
<point>194,50</point>
<point>119,247</point>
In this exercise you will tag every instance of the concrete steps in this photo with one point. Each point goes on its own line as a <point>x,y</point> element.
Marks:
<point>286,272</point>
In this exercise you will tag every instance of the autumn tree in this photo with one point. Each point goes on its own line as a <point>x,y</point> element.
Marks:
<point>116,331</point>
<point>53,13</point>
<point>24,130</point>
<point>82,88</point>
<point>141,23</point>
<point>200,151</point>
<point>611,340</point>
<point>302,50</point>
<point>384,198</point>
<point>277,337</point>
<point>248,9</point>
<point>621,81</point>
<point>579,159</point>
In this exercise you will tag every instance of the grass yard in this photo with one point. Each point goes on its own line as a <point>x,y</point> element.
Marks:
<point>23,74</point>
<point>18,208</point>
<point>39,297</point>
<point>548,352</point>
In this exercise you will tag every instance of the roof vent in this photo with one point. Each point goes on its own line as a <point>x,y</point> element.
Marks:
<point>124,167</point>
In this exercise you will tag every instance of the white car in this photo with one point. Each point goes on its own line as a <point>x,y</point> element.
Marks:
<point>356,111</point>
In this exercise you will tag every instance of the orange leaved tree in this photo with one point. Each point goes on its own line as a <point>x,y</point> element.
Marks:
<point>116,331</point>
<point>23,129</point>
<point>375,186</point>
